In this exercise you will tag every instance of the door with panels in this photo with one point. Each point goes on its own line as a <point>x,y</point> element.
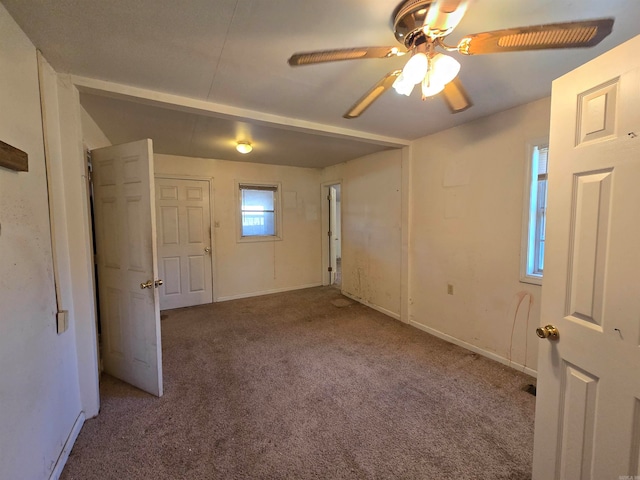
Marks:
<point>124,218</point>
<point>588,404</point>
<point>184,242</point>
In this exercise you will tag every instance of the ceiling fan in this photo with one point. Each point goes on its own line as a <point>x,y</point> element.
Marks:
<point>422,25</point>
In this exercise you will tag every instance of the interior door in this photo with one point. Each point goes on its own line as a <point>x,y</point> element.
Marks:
<point>588,404</point>
<point>184,242</point>
<point>124,216</point>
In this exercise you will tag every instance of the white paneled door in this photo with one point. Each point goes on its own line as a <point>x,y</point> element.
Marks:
<point>588,404</point>
<point>124,216</point>
<point>184,242</point>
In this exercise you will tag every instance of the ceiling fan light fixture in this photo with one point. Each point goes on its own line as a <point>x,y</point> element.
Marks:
<point>430,88</point>
<point>443,69</point>
<point>416,68</point>
<point>402,86</point>
<point>244,147</point>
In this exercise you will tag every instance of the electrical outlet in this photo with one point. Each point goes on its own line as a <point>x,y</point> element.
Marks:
<point>449,289</point>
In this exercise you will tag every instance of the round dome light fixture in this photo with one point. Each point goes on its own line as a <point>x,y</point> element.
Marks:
<point>244,147</point>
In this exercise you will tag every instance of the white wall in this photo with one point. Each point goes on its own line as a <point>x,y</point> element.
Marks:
<point>254,268</point>
<point>371,228</point>
<point>92,135</point>
<point>74,192</point>
<point>466,206</point>
<point>39,386</point>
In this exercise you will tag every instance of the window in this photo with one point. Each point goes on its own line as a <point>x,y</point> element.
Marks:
<point>535,216</point>
<point>259,216</point>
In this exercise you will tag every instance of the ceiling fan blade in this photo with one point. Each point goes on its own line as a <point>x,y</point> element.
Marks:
<point>372,95</point>
<point>553,35</point>
<point>443,16</point>
<point>322,56</point>
<point>456,97</point>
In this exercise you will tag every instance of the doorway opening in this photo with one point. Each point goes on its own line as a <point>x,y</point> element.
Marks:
<point>332,228</point>
<point>94,251</point>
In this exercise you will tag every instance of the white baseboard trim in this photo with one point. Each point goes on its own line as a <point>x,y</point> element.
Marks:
<point>267,292</point>
<point>473,348</point>
<point>66,449</point>
<point>389,313</point>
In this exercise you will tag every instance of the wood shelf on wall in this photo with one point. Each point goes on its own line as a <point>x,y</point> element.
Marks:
<point>13,158</point>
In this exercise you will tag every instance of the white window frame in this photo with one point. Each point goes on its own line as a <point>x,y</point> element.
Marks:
<point>277,188</point>
<point>528,271</point>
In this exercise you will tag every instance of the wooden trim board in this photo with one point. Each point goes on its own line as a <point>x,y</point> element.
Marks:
<point>11,157</point>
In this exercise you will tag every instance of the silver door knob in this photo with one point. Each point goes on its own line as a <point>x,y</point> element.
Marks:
<point>549,332</point>
<point>207,250</point>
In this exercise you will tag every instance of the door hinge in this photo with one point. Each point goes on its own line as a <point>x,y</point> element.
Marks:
<point>329,233</point>
<point>330,269</point>
<point>328,197</point>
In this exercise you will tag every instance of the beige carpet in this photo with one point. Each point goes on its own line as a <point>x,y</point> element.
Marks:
<point>309,385</point>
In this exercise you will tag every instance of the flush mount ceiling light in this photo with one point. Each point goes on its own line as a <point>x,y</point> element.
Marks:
<point>244,147</point>
<point>422,26</point>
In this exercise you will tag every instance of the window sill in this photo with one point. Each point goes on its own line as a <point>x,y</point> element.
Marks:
<point>532,279</point>
<point>259,238</point>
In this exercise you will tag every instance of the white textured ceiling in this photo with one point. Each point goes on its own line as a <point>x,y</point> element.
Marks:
<point>234,52</point>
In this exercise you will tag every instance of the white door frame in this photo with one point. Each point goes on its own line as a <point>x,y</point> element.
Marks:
<point>324,192</point>
<point>209,180</point>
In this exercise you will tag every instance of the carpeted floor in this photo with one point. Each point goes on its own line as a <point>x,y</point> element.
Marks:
<point>309,385</point>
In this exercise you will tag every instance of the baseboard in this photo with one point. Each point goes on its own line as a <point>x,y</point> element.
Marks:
<point>389,313</point>
<point>473,348</point>
<point>68,445</point>
<point>267,292</point>
<point>396,316</point>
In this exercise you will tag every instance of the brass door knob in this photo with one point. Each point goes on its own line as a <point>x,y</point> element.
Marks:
<point>207,250</point>
<point>549,332</point>
<point>151,283</point>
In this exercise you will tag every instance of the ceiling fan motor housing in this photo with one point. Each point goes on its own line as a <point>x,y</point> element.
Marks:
<point>408,20</point>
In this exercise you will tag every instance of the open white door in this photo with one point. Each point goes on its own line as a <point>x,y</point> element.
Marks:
<point>124,215</point>
<point>588,404</point>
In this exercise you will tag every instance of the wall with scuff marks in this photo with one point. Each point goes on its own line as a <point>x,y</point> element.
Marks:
<point>39,386</point>
<point>243,269</point>
<point>466,204</point>
<point>371,228</point>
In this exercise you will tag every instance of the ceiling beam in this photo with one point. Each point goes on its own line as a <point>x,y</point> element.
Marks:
<point>203,107</point>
